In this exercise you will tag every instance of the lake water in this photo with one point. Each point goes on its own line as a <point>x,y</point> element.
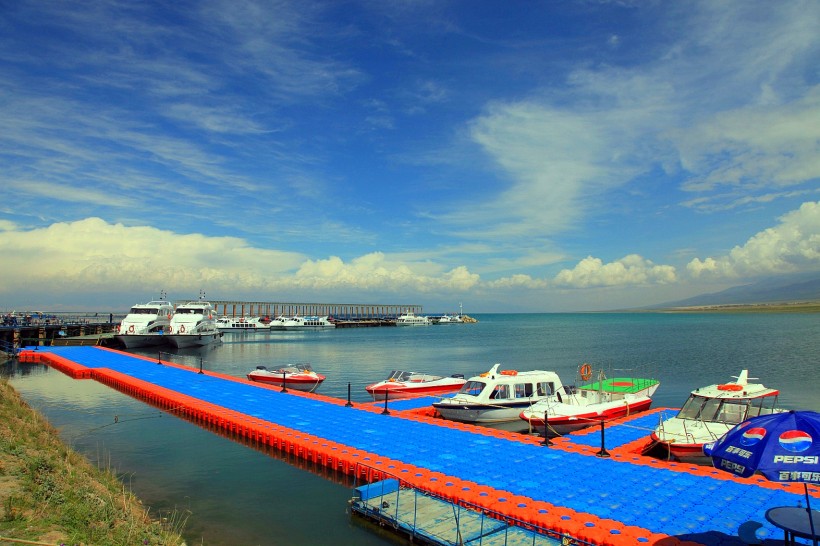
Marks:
<point>230,493</point>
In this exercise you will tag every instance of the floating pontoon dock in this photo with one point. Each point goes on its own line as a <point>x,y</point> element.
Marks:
<point>565,490</point>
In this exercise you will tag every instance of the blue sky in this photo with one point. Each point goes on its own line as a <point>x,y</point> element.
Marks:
<point>513,156</point>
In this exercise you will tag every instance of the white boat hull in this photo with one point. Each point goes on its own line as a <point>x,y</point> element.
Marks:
<point>182,341</point>
<point>132,341</point>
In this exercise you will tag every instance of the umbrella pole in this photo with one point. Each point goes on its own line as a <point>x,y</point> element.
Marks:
<point>808,511</point>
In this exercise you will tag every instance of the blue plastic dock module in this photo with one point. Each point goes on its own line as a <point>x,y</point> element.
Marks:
<point>691,507</point>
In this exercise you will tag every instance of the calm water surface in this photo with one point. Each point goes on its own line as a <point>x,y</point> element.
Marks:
<point>234,494</point>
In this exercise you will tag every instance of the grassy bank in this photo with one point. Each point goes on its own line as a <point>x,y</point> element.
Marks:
<point>50,494</point>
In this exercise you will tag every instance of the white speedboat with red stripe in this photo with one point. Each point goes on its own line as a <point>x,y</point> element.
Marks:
<point>708,414</point>
<point>573,407</point>
<point>402,384</point>
<point>300,377</point>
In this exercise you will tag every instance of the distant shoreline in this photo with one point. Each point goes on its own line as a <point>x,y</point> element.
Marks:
<point>779,307</point>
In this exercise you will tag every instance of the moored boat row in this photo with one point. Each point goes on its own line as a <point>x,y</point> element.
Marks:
<point>191,324</point>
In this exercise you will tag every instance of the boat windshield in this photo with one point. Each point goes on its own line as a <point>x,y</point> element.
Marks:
<point>473,388</point>
<point>144,311</point>
<point>721,410</point>
<point>294,368</point>
<point>190,311</point>
<point>399,375</point>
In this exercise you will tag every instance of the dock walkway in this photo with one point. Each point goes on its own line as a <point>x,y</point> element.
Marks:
<point>624,499</point>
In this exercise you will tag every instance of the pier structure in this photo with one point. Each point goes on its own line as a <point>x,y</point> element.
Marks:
<point>346,311</point>
<point>568,490</point>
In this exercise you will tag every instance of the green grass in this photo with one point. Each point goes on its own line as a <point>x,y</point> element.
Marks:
<point>50,494</point>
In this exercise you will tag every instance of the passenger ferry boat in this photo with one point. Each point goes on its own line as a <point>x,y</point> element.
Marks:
<point>497,397</point>
<point>241,324</point>
<point>411,319</point>
<point>145,324</point>
<point>193,325</point>
<point>300,323</point>
<point>709,413</point>
<point>602,399</point>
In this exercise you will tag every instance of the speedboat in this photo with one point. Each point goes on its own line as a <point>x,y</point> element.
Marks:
<point>300,377</point>
<point>145,324</point>
<point>452,318</point>
<point>401,384</point>
<point>497,397</point>
<point>411,319</point>
<point>301,323</point>
<point>241,324</point>
<point>709,413</point>
<point>575,407</point>
<point>193,325</point>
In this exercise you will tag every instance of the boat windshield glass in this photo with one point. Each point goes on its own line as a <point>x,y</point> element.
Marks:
<point>473,388</point>
<point>190,311</point>
<point>763,405</point>
<point>399,375</point>
<point>716,409</point>
<point>523,390</point>
<point>144,311</point>
<point>546,388</point>
<point>691,409</point>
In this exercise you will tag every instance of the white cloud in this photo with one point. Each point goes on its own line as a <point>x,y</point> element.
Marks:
<point>92,255</point>
<point>791,246</point>
<point>629,270</point>
<point>375,272</point>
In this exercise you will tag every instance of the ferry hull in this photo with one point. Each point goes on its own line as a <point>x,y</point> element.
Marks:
<point>131,341</point>
<point>182,341</point>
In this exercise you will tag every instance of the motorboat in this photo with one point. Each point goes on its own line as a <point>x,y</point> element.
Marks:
<point>298,322</point>
<point>145,324</point>
<point>281,322</point>
<point>403,384</point>
<point>709,413</point>
<point>452,318</point>
<point>241,324</point>
<point>497,397</point>
<point>411,319</point>
<point>300,377</point>
<point>573,407</point>
<point>193,325</point>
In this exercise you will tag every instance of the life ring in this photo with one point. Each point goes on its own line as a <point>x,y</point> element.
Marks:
<point>131,329</point>
<point>730,387</point>
<point>508,372</point>
<point>182,329</point>
<point>586,372</point>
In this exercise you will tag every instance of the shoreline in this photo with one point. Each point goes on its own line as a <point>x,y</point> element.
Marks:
<point>50,494</point>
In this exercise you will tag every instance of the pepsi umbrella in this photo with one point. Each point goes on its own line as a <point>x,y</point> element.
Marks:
<point>784,447</point>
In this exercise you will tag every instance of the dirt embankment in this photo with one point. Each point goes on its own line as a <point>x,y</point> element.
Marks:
<point>51,495</point>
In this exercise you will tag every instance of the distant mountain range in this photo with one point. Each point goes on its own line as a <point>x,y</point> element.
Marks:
<point>799,288</point>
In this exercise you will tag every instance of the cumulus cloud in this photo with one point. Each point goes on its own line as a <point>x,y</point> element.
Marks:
<point>629,270</point>
<point>95,256</point>
<point>791,246</point>
<point>375,272</point>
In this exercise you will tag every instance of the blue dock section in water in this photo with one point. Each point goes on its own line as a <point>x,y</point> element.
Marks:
<point>626,502</point>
